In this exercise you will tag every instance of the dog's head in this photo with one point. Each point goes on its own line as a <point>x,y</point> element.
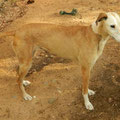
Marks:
<point>108,24</point>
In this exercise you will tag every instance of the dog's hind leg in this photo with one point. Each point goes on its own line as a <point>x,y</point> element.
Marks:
<point>25,82</point>
<point>85,82</point>
<point>24,55</point>
<point>24,67</point>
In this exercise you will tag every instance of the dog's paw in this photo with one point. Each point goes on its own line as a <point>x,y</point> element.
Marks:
<point>26,82</point>
<point>89,106</point>
<point>27,97</point>
<point>91,92</point>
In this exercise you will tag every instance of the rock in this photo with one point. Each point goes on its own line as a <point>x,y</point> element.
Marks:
<point>46,56</point>
<point>59,90</point>
<point>110,100</point>
<point>51,100</point>
<point>14,97</point>
<point>44,63</point>
<point>34,96</point>
<point>52,56</point>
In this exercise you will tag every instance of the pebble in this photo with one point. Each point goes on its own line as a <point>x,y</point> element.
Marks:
<point>52,56</point>
<point>51,100</point>
<point>14,97</point>
<point>113,76</point>
<point>59,91</point>
<point>110,100</point>
<point>44,63</point>
<point>46,56</point>
<point>34,96</point>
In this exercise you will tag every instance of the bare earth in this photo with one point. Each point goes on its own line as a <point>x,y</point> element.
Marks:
<point>56,83</point>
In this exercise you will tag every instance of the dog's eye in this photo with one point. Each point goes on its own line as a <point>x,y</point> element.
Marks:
<point>112,26</point>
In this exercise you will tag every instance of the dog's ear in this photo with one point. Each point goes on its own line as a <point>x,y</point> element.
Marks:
<point>102,16</point>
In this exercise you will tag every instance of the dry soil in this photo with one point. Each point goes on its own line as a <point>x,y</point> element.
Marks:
<point>55,82</point>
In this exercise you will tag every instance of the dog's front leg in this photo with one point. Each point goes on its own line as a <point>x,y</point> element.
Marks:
<point>85,82</point>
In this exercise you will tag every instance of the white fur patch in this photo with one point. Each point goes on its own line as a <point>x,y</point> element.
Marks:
<point>88,104</point>
<point>91,92</point>
<point>26,82</point>
<point>27,97</point>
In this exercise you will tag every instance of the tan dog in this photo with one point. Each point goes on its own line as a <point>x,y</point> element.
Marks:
<point>82,44</point>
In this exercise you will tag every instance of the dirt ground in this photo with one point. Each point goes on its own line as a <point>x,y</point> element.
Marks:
<point>56,82</point>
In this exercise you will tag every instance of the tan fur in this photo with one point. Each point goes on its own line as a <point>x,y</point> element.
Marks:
<point>78,43</point>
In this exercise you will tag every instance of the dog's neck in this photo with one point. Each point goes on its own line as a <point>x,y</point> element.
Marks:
<point>95,29</point>
<point>101,40</point>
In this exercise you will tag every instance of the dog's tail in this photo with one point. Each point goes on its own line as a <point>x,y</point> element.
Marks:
<point>3,34</point>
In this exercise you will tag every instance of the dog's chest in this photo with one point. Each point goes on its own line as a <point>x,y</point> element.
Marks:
<point>100,48</point>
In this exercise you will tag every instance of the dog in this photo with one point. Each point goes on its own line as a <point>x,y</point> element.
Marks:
<point>81,44</point>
